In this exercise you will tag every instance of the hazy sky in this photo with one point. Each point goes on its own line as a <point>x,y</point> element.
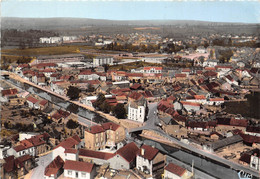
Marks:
<point>219,11</point>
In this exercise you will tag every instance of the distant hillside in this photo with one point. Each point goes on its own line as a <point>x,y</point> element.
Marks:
<point>93,25</point>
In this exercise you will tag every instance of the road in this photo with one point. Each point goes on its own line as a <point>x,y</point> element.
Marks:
<point>38,172</point>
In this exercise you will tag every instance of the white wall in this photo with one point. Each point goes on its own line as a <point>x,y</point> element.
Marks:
<point>72,174</point>
<point>58,151</point>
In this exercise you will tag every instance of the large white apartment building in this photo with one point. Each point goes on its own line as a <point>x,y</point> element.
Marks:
<point>99,61</point>
<point>136,110</point>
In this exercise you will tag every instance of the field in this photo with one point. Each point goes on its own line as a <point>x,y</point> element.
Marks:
<point>133,65</point>
<point>46,50</point>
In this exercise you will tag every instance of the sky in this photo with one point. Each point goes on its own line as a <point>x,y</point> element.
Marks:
<point>214,10</point>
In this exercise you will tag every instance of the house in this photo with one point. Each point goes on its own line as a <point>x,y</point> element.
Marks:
<point>43,104</point>
<point>114,133</point>
<point>97,157</point>
<point>137,110</point>
<point>59,87</point>
<point>9,92</point>
<point>251,159</point>
<point>32,102</point>
<point>76,169</point>
<point>124,157</point>
<point>95,137</point>
<point>149,160</point>
<point>101,60</point>
<point>54,169</point>
<point>191,106</point>
<point>152,70</point>
<point>106,135</point>
<point>72,142</point>
<point>173,171</point>
<point>39,79</point>
<point>33,145</point>
<point>17,167</point>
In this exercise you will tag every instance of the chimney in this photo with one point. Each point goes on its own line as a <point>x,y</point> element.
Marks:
<point>142,151</point>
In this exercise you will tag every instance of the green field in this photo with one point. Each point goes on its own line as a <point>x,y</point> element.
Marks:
<point>46,50</point>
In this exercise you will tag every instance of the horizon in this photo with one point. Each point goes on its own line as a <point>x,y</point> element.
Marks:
<point>133,20</point>
<point>207,11</point>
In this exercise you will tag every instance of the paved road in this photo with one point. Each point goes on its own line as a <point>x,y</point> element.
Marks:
<point>38,172</point>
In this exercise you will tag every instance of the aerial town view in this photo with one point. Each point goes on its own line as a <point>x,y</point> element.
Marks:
<point>130,89</point>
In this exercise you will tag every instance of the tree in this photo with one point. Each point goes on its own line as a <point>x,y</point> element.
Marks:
<point>73,92</point>
<point>71,124</point>
<point>120,111</point>
<point>105,107</point>
<point>100,100</point>
<point>73,108</point>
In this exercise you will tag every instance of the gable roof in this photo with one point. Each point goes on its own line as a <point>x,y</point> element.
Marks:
<point>110,126</point>
<point>95,129</point>
<point>78,166</point>
<point>95,154</point>
<point>128,152</point>
<point>54,166</point>
<point>8,92</point>
<point>149,152</point>
<point>68,143</point>
<point>32,99</point>
<point>176,169</point>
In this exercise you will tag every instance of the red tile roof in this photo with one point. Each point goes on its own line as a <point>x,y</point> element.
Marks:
<point>190,103</point>
<point>43,102</point>
<point>135,95</point>
<point>110,126</point>
<point>68,143</point>
<point>176,169</point>
<point>128,152</point>
<point>9,92</point>
<point>78,166</point>
<point>73,151</point>
<point>180,75</point>
<point>95,154</point>
<point>156,68</point>
<point>149,152</point>
<point>54,167</point>
<point>32,99</point>
<point>135,86</point>
<point>95,129</point>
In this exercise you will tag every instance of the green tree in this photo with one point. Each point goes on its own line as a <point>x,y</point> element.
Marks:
<point>120,111</point>
<point>73,92</point>
<point>71,124</point>
<point>100,100</point>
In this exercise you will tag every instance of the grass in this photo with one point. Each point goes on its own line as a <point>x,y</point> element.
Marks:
<point>47,50</point>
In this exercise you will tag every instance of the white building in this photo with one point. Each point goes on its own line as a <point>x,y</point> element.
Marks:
<point>99,61</point>
<point>149,159</point>
<point>46,40</point>
<point>136,110</point>
<point>76,169</point>
<point>69,143</point>
<point>88,100</point>
<point>210,63</point>
<point>255,161</point>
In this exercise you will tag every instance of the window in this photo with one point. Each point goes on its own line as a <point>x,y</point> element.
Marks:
<point>83,175</point>
<point>69,172</point>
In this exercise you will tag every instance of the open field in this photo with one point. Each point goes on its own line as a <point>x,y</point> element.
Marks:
<point>46,50</point>
<point>133,65</point>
